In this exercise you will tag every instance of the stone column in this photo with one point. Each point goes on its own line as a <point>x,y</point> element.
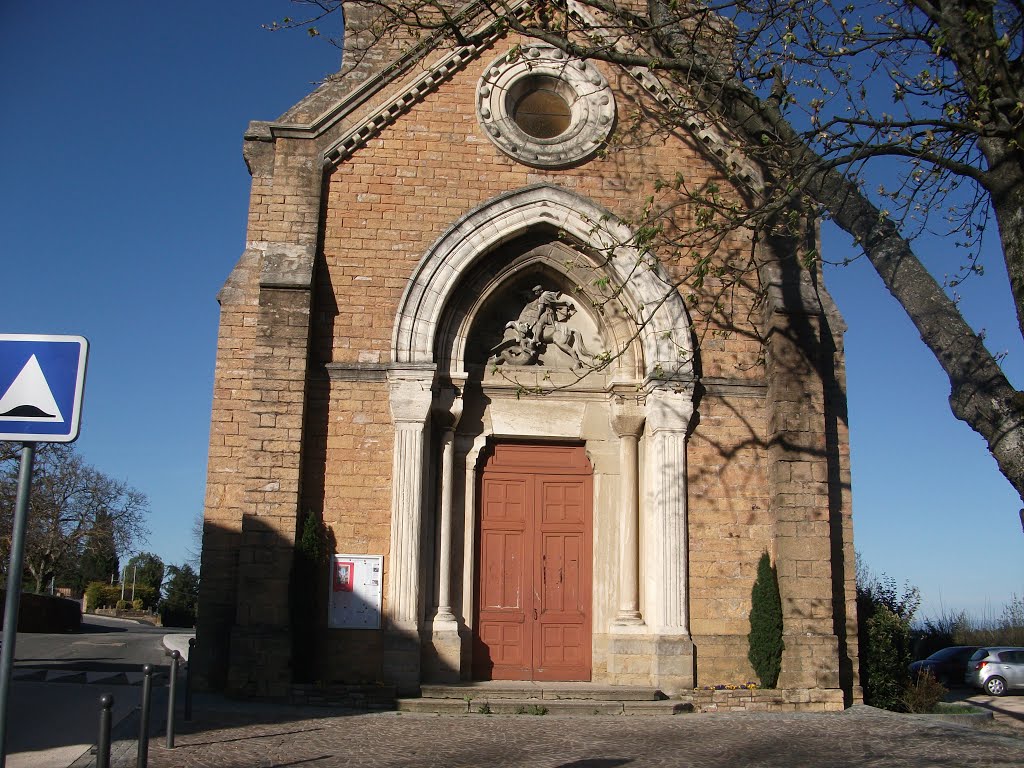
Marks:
<point>410,392</point>
<point>452,416</point>
<point>668,418</point>
<point>446,646</point>
<point>627,421</point>
<point>469,449</point>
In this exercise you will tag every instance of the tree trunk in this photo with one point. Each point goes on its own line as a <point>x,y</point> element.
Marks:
<point>1004,181</point>
<point>980,394</point>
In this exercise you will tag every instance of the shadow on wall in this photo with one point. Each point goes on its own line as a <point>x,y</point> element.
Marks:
<point>251,642</point>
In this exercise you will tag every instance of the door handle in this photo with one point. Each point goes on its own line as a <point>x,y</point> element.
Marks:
<point>534,614</point>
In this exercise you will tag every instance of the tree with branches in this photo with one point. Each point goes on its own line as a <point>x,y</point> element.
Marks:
<point>72,507</point>
<point>891,119</point>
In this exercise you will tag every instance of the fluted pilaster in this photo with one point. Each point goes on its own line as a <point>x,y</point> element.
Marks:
<point>668,417</point>
<point>410,409</point>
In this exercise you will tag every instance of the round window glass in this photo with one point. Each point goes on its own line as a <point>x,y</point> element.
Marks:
<point>539,109</point>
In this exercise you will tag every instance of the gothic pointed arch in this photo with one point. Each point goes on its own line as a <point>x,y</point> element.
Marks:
<point>653,335</point>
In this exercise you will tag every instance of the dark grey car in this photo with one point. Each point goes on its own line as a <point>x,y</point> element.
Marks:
<point>948,666</point>
<point>996,669</point>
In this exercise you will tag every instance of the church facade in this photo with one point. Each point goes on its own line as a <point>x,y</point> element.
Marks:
<point>448,343</point>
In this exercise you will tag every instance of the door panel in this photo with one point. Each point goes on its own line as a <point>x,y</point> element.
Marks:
<point>502,650</point>
<point>533,597</point>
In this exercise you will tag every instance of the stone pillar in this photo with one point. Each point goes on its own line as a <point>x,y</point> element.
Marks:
<point>800,503</point>
<point>668,418</point>
<point>260,655</point>
<point>795,366</point>
<point>445,658</point>
<point>410,393</point>
<point>627,421</point>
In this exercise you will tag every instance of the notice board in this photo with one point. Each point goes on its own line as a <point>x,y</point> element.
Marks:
<point>356,592</point>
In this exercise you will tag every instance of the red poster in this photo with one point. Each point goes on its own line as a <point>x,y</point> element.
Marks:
<point>343,576</point>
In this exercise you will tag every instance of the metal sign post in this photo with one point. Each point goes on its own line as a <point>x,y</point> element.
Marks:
<point>42,380</point>
<point>13,601</point>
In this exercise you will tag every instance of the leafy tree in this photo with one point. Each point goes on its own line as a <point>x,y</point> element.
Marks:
<point>145,570</point>
<point>195,549</point>
<point>890,119</point>
<point>71,504</point>
<point>98,560</point>
<point>178,609</point>
<point>765,638</point>
<point>884,616</point>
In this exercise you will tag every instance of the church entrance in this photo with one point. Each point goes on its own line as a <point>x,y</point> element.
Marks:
<point>533,607</point>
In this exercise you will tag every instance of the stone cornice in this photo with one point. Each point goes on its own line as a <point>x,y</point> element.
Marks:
<point>722,387</point>
<point>356,371</point>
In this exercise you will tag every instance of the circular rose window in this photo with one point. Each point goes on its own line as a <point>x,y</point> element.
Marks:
<point>543,108</point>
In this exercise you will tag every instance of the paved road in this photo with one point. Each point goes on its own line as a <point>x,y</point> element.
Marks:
<point>57,682</point>
<point>103,643</point>
<point>1006,710</point>
<point>862,737</point>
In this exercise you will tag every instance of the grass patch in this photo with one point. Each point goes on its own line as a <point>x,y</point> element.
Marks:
<point>943,708</point>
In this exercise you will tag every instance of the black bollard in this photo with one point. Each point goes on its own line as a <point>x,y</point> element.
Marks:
<point>103,742</point>
<point>188,679</point>
<point>171,696</point>
<point>142,759</point>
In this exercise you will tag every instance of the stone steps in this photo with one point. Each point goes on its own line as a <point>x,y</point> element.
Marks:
<point>526,698</point>
<point>525,707</point>
<point>497,689</point>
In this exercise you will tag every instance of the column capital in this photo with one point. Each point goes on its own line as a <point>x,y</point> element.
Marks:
<point>669,410</point>
<point>448,407</point>
<point>627,416</point>
<point>411,393</point>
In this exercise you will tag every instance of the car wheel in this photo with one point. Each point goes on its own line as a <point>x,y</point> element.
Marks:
<point>996,686</point>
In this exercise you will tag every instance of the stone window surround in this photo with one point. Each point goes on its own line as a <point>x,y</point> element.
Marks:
<point>591,102</point>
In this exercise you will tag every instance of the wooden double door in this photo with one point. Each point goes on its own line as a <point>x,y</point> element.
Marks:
<point>533,612</point>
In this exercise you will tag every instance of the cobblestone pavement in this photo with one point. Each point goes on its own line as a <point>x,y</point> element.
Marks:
<point>858,738</point>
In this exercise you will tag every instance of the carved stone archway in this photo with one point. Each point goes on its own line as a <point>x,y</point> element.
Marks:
<point>641,404</point>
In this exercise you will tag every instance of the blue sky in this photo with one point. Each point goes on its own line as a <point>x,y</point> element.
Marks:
<point>123,205</point>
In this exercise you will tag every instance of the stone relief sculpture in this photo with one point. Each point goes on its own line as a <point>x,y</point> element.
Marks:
<point>543,321</point>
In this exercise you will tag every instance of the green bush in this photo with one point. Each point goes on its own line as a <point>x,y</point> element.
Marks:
<point>176,616</point>
<point>145,595</point>
<point>886,658</point>
<point>99,594</point>
<point>102,595</point>
<point>884,616</point>
<point>765,638</point>
<point>924,694</point>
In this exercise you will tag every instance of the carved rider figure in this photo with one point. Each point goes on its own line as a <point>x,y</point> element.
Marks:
<point>541,322</point>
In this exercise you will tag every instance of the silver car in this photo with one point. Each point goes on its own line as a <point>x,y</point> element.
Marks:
<point>996,669</point>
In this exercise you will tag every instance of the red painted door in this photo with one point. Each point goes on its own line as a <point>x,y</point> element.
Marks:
<point>533,591</point>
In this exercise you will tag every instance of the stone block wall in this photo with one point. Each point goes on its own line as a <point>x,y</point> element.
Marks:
<point>301,420</point>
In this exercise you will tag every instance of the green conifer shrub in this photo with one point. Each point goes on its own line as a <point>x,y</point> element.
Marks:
<point>307,575</point>
<point>765,638</point>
